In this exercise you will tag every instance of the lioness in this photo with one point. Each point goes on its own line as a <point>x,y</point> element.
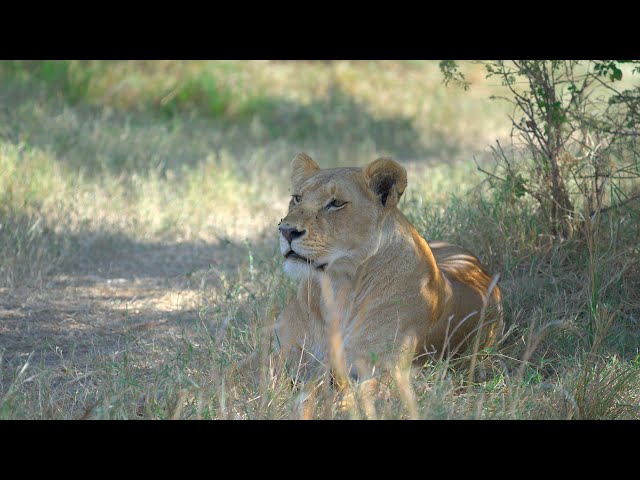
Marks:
<point>370,287</point>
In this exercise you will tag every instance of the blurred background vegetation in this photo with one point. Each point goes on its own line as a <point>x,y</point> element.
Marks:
<point>175,173</point>
<point>184,149</point>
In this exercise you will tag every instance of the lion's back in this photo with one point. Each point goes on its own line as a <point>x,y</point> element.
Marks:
<point>471,282</point>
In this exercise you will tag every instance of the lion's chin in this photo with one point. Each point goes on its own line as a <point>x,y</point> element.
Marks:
<point>298,267</point>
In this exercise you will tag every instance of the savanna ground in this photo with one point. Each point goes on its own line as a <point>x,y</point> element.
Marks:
<point>139,258</point>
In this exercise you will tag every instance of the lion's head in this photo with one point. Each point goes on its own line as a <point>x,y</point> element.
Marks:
<point>335,215</point>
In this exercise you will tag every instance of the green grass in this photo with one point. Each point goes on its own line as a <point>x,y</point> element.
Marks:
<point>138,242</point>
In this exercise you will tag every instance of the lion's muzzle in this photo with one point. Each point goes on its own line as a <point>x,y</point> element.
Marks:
<point>290,233</point>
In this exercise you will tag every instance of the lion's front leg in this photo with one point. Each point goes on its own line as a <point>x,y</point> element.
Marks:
<point>271,353</point>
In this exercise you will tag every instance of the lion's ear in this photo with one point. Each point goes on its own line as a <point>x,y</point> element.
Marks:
<point>388,179</point>
<point>303,167</point>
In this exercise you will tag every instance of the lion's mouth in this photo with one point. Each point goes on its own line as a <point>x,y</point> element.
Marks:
<point>291,255</point>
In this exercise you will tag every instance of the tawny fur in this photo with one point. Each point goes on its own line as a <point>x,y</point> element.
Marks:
<point>372,288</point>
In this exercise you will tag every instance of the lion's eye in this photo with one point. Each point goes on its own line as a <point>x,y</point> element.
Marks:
<point>335,204</point>
<point>296,199</point>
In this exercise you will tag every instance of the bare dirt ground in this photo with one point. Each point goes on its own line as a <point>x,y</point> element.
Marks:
<point>139,295</point>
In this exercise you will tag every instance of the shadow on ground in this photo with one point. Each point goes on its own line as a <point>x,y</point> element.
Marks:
<point>111,293</point>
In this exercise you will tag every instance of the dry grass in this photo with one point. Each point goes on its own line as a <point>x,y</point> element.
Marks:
<point>138,243</point>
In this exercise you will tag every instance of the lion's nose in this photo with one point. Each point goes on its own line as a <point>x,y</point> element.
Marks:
<point>291,233</point>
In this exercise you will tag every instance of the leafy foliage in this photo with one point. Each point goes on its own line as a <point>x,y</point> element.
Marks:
<point>576,134</point>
